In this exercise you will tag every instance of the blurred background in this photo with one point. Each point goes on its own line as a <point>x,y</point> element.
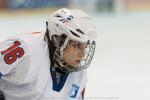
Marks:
<point>121,67</point>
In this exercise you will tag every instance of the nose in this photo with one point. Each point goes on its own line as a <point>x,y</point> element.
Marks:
<point>81,54</point>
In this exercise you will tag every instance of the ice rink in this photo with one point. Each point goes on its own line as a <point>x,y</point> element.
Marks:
<point>121,67</point>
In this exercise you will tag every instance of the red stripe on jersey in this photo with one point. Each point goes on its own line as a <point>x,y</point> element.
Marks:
<point>83,92</point>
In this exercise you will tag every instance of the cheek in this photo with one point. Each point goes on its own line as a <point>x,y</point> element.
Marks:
<point>70,53</point>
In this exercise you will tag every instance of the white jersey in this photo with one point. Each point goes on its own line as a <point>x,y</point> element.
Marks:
<point>25,72</point>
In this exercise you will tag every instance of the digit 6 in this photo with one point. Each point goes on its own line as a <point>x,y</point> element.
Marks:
<point>12,56</point>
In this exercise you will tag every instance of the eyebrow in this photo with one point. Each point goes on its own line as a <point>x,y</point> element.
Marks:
<point>75,42</point>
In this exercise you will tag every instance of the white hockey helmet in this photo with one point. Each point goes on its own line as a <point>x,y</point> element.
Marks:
<point>71,25</point>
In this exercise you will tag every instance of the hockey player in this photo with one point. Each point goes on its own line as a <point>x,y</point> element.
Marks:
<point>50,65</point>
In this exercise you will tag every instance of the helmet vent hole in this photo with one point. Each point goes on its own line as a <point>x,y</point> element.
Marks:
<point>79,31</point>
<point>57,16</point>
<point>69,18</point>
<point>74,33</point>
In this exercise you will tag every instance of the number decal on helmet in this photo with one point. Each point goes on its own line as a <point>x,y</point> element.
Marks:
<point>13,53</point>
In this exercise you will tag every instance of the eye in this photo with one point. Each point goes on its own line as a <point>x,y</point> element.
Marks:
<point>76,45</point>
<point>80,46</point>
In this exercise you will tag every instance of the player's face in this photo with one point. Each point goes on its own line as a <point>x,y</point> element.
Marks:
<point>74,53</point>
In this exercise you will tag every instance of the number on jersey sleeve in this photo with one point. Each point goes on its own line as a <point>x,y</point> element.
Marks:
<point>11,54</point>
